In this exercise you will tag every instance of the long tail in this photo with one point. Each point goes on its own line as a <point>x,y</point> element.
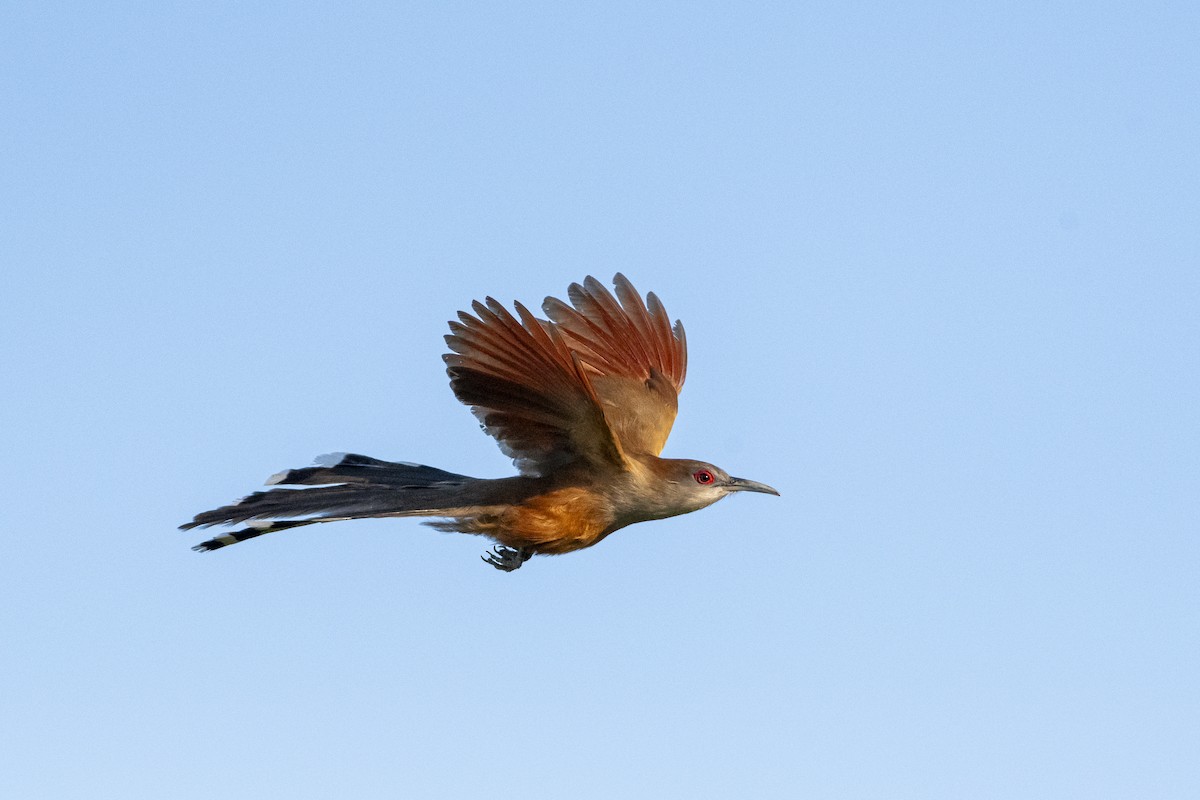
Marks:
<point>347,486</point>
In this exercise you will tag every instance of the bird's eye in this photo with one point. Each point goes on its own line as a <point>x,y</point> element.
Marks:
<point>703,477</point>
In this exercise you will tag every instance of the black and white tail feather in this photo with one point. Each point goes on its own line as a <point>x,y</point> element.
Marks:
<point>344,486</point>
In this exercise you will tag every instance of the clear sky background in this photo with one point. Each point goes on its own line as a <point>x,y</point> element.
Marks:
<point>938,266</point>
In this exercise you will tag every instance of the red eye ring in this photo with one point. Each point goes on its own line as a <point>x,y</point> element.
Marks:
<point>703,477</point>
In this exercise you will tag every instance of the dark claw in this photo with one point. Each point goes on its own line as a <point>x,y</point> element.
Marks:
<point>506,558</point>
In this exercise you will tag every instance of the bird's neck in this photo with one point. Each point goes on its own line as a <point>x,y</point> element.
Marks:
<point>648,490</point>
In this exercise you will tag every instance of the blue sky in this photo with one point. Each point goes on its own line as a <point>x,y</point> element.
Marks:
<point>938,266</point>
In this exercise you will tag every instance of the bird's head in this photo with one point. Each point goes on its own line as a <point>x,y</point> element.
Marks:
<point>691,485</point>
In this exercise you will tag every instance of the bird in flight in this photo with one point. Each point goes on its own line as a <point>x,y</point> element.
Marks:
<point>582,401</point>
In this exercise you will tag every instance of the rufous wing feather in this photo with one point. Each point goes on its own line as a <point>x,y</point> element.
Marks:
<point>528,390</point>
<point>598,379</point>
<point>636,360</point>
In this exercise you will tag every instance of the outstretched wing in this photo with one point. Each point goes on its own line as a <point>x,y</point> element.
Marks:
<point>634,358</point>
<point>528,390</point>
<point>599,380</point>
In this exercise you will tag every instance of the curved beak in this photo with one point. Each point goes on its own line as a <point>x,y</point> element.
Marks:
<point>744,485</point>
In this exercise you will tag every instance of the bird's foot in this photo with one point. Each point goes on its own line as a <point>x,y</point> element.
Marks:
<point>507,558</point>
